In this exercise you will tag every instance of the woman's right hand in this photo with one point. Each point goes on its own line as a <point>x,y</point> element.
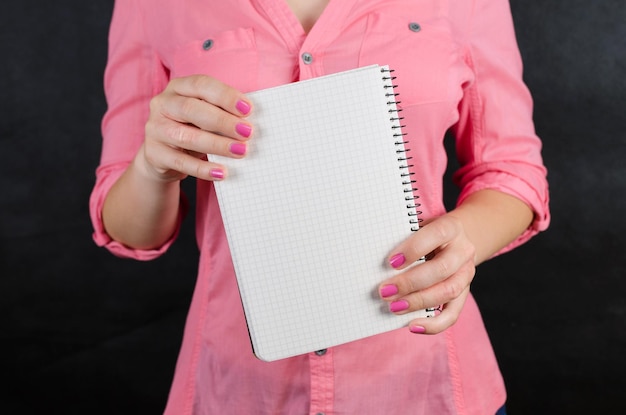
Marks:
<point>195,116</point>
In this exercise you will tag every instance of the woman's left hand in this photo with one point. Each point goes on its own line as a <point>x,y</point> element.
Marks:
<point>443,280</point>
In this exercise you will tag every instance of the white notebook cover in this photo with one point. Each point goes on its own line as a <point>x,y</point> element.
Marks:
<point>314,209</point>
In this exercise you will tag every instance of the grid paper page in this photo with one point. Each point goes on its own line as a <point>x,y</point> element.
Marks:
<point>312,212</point>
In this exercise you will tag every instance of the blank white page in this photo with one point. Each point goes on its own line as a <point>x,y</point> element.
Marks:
<point>314,209</point>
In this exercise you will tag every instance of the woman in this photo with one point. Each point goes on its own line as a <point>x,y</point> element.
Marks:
<point>176,81</point>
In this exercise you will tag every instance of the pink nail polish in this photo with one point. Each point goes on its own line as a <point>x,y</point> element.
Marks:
<point>243,107</point>
<point>238,149</point>
<point>388,290</point>
<point>417,329</point>
<point>217,173</point>
<point>397,260</point>
<point>243,130</point>
<point>398,306</point>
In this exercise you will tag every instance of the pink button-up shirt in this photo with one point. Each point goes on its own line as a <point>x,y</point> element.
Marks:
<point>457,67</point>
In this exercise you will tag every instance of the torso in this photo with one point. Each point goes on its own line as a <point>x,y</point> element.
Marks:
<point>261,46</point>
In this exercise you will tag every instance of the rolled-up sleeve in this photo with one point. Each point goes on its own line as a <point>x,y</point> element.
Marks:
<point>496,143</point>
<point>133,75</point>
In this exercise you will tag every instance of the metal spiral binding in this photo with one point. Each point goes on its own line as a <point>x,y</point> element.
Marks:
<point>403,157</point>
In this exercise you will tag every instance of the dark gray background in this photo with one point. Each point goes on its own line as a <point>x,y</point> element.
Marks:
<point>85,332</point>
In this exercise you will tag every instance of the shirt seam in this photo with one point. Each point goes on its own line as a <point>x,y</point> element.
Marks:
<point>475,103</point>
<point>455,374</point>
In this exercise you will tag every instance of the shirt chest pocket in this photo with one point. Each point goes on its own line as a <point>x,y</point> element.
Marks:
<point>229,56</point>
<point>419,47</point>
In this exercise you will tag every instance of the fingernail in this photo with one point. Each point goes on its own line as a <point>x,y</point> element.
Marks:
<point>398,306</point>
<point>238,149</point>
<point>388,290</point>
<point>417,329</point>
<point>243,107</point>
<point>397,260</point>
<point>217,173</point>
<point>243,130</point>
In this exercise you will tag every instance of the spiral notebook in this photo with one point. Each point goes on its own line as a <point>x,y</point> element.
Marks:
<point>323,195</point>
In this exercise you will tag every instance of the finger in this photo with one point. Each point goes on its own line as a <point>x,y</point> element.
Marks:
<point>214,92</point>
<point>193,139</point>
<point>206,116</point>
<point>429,273</point>
<point>449,315</point>
<point>174,163</point>
<point>429,237</point>
<point>440,293</point>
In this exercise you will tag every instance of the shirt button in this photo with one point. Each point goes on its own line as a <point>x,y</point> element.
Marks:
<point>321,352</point>
<point>414,27</point>
<point>207,44</point>
<point>307,58</point>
